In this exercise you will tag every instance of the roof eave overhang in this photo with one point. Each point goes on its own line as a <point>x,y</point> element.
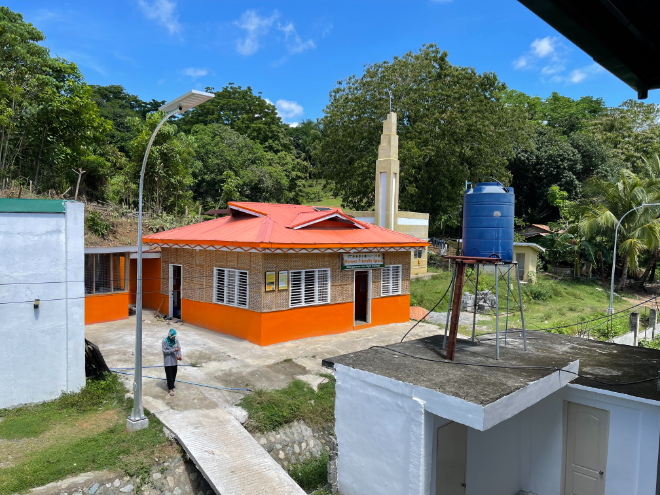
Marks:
<point>604,50</point>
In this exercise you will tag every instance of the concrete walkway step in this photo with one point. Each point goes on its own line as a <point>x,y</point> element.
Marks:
<point>231,460</point>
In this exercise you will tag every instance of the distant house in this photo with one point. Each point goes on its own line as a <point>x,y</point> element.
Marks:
<point>409,422</point>
<point>41,299</point>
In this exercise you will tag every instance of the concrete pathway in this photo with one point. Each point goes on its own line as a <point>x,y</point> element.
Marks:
<point>232,462</point>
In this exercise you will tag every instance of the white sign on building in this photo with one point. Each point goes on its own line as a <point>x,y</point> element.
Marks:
<point>351,261</point>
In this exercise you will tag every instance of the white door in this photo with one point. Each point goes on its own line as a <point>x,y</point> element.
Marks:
<point>587,432</point>
<point>451,459</point>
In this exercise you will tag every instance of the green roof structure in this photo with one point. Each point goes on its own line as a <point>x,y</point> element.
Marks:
<point>15,205</point>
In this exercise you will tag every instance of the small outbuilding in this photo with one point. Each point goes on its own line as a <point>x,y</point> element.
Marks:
<point>42,299</point>
<point>566,416</point>
<point>271,273</point>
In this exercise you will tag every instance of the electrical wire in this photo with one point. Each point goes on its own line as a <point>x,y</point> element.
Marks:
<point>504,366</point>
<point>190,383</point>
<point>436,305</point>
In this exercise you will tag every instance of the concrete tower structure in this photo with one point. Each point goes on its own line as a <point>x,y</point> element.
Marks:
<point>387,176</point>
<point>386,205</point>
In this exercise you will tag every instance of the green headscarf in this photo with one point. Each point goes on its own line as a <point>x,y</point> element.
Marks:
<point>171,338</point>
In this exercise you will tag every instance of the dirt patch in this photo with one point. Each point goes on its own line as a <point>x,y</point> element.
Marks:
<point>98,421</point>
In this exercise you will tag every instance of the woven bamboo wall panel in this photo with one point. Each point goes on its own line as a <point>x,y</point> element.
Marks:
<point>232,260</point>
<point>208,294</point>
<point>405,287</point>
<point>270,263</point>
<point>282,301</point>
<point>243,261</point>
<point>220,259</point>
<point>256,262</point>
<point>254,303</point>
<point>268,301</point>
<point>256,280</point>
<point>375,289</point>
<point>165,254</point>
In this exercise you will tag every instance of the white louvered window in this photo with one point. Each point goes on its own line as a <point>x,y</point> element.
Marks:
<point>390,280</point>
<point>309,287</point>
<point>231,287</point>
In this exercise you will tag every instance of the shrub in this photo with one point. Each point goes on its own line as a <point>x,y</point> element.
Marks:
<point>538,292</point>
<point>311,474</point>
<point>95,224</point>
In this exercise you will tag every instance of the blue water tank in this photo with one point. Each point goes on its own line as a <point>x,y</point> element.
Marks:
<point>488,221</point>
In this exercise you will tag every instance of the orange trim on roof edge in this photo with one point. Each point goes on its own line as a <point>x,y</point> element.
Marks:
<point>272,245</point>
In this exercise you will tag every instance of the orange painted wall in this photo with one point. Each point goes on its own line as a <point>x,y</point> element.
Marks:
<point>229,320</point>
<point>106,307</point>
<point>151,296</point>
<point>292,324</point>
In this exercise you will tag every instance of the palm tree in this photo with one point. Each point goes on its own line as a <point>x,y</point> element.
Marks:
<point>609,201</point>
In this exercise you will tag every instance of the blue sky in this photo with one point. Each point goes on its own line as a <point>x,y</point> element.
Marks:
<point>295,52</point>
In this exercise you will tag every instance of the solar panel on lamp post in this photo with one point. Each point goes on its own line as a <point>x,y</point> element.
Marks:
<point>137,420</point>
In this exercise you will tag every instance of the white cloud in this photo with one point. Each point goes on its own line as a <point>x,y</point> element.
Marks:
<point>194,72</point>
<point>294,44</point>
<point>288,109</point>
<point>84,60</point>
<point>542,47</point>
<point>163,12</point>
<point>255,26</point>
<point>521,62</point>
<point>294,124</point>
<point>577,76</point>
<point>551,69</point>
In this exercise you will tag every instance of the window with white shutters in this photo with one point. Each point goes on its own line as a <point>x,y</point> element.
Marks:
<point>231,287</point>
<point>309,287</point>
<point>390,280</point>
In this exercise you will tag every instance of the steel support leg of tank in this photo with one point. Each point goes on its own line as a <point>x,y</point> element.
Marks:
<point>497,311</point>
<point>451,296</point>
<point>522,313</point>
<point>455,310</point>
<point>476,301</point>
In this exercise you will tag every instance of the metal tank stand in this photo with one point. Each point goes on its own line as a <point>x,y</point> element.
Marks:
<point>456,295</point>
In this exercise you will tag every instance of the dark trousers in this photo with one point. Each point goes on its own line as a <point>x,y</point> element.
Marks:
<point>170,373</point>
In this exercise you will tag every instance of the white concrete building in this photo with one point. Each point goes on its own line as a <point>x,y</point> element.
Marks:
<point>42,299</point>
<point>412,426</point>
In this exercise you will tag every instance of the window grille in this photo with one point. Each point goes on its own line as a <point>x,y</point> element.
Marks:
<point>309,287</point>
<point>231,287</point>
<point>390,284</point>
<point>418,254</point>
<point>106,273</point>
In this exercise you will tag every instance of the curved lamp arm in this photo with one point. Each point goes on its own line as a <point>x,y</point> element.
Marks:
<point>610,309</point>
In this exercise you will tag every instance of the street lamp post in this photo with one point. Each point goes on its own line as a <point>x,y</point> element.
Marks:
<point>137,420</point>
<point>610,310</point>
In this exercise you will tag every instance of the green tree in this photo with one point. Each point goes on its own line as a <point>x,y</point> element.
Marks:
<point>556,160</point>
<point>608,202</point>
<point>306,138</point>
<point>232,167</point>
<point>168,175</point>
<point>48,122</point>
<point>117,106</point>
<point>631,131</point>
<point>453,126</point>
<point>243,111</point>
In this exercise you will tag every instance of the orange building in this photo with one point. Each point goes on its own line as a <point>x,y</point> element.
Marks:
<point>272,273</point>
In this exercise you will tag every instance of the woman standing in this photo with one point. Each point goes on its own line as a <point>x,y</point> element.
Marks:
<point>171,354</point>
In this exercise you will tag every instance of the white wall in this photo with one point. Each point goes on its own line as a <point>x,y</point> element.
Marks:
<point>43,349</point>
<point>632,450</point>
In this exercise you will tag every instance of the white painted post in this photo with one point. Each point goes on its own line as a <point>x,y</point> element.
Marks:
<point>634,326</point>
<point>653,321</point>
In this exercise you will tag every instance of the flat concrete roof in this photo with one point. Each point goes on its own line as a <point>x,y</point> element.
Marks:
<point>485,385</point>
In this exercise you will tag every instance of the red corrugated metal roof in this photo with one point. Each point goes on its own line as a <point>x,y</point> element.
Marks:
<point>275,228</point>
